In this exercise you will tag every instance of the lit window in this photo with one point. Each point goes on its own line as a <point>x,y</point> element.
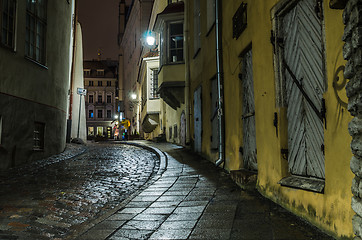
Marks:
<point>87,72</point>
<point>90,114</point>
<point>7,33</point>
<point>176,41</point>
<point>99,131</point>
<point>154,83</point>
<point>90,131</point>
<point>100,72</point>
<point>36,20</point>
<point>39,130</point>
<point>90,98</point>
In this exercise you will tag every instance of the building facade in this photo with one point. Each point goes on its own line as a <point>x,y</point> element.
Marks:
<point>100,80</point>
<point>269,99</point>
<point>34,81</point>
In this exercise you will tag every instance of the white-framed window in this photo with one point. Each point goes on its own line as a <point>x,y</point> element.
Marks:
<point>197,27</point>
<point>175,42</point>
<point>154,84</point>
<point>210,18</point>
<point>100,72</point>
<point>7,23</point>
<point>36,23</point>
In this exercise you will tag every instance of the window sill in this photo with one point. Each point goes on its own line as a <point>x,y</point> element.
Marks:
<point>304,183</point>
<point>37,63</point>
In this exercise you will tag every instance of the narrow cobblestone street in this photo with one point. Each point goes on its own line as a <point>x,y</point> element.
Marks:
<point>51,198</point>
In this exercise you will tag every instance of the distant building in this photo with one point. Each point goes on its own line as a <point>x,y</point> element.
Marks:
<point>35,45</point>
<point>100,80</point>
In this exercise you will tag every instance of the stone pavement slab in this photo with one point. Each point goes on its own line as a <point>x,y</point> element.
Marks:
<point>193,199</point>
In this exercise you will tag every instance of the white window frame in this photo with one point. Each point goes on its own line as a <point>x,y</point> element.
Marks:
<point>168,47</point>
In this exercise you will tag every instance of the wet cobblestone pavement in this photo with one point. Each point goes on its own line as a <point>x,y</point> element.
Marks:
<point>193,199</point>
<point>51,198</point>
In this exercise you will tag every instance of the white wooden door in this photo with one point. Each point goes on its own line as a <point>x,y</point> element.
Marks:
<point>302,49</point>
<point>249,136</point>
<point>197,120</point>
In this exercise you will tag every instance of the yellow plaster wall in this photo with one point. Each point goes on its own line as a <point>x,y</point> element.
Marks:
<point>330,211</point>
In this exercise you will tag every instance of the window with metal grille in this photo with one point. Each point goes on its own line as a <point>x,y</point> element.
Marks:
<point>36,22</point>
<point>100,114</point>
<point>109,113</point>
<point>100,99</point>
<point>176,41</point>
<point>109,99</point>
<point>154,83</point>
<point>7,20</point>
<point>38,138</point>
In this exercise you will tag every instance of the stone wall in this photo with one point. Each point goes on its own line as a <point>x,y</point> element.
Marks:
<point>352,52</point>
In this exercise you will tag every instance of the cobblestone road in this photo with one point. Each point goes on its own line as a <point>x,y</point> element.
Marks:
<point>49,201</point>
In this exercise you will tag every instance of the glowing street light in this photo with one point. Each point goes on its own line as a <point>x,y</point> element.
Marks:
<point>133,96</point>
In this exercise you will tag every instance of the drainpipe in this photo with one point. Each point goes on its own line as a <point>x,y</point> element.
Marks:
<point>219,67</point>
<point>187,74</point>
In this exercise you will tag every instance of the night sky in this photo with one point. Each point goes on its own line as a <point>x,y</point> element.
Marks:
<point>99,21</point>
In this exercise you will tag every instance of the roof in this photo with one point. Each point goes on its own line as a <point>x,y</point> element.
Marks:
<point>175,7</point>
<point>110,68</point>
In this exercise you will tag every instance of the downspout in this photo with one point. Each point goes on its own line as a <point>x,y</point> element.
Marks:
<point>187,75</point>
<point>219,67</point>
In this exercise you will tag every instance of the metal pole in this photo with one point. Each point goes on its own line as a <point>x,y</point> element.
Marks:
<point>80,107</point>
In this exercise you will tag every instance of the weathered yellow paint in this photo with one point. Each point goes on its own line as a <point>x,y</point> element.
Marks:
<point>330,211</point>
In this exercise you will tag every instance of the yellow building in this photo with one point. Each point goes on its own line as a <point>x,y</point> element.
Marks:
<point>283,106</point>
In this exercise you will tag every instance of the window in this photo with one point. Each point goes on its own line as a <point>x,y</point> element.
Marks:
<point>109,83</point>
<point>100,72</point>
<point>36,20</point>
<point>154,83</point>
<point>109,99</point>
<point>90,98</point>
<point>210,18</point>
<point>109,113</point>
<point>99,131</point>
<point>87,72</point>
<point>197,28</point>
<point>99,83</point>
<point>176,42</point>
<point>91,83</point>
<point>100,114</point>
<point>100,100</point>
<point>90,131</point>
<point>170,132</point>
<point>8,13</point>
<point>38,138</point>
<point>90,114</point>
